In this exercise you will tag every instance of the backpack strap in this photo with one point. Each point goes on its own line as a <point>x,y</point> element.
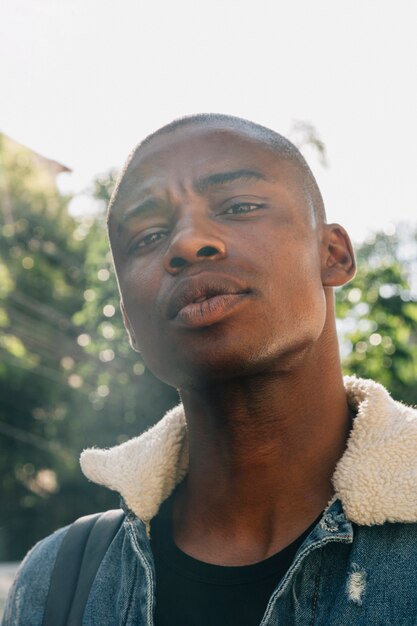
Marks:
<point>79,557</point>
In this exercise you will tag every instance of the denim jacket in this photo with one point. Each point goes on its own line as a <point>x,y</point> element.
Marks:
<point>357,567</point>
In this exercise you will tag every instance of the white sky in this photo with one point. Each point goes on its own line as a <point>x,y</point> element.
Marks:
<point>83,80</point>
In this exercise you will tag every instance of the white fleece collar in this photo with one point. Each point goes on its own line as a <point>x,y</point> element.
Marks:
<point>376,478</point>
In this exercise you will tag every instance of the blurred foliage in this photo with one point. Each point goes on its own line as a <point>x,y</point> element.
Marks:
<point>305,136</point>
<point>378,313</point>
<point>68,377</point>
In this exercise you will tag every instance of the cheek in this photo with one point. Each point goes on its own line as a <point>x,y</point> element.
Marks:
<point>296,289</point>
<point>310,304</point>
<point>139,291</point>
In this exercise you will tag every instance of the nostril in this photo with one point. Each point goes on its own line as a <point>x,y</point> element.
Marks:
<point>207,251</point>
<point>177,262</point>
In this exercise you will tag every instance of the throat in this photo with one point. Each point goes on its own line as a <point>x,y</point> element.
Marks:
<point>220,536</point>
<point>260,469</point>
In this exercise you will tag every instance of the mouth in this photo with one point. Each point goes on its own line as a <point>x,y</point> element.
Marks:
<point>197,303</point>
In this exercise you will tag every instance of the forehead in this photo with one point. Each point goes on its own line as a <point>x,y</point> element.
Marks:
<point>187,154</point>
<point>196,145</point>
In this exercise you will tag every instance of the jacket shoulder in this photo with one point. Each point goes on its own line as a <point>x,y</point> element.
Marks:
<point>27,597</point>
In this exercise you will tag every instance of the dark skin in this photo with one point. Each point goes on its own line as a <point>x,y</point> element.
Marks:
<point>227,279</point>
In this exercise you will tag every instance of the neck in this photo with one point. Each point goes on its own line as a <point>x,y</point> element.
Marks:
<point>262,453</point>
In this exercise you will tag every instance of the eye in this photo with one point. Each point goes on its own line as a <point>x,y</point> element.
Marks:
<point>145,241</point>
<point>240,208</point>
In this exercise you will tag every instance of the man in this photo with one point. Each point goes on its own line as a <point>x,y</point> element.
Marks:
<point>277,493</point>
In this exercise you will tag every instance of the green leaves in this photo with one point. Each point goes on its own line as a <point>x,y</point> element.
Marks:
<point>68,378</point>
<point>378,314</point>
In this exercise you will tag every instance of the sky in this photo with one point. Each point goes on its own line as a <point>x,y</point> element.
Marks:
<point>83,81</point>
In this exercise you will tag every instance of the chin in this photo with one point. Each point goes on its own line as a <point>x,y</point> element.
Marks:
<point>214,363</point>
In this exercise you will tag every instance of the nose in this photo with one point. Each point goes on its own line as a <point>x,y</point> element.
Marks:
<point>192,245</point>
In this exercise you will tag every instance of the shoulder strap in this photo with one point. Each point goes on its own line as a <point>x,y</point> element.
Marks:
<point>76,565</point>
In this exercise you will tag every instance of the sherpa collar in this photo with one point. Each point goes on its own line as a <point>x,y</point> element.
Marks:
<point>376,478</point>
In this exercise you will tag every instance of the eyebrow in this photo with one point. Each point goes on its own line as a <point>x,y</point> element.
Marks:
<point>201,185</point>
<point>223,178</point>
<point>149,204</point>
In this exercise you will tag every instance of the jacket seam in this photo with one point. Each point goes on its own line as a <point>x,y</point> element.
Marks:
<point>148,575</point>
<point>295,567</point>
<point>315,599</point>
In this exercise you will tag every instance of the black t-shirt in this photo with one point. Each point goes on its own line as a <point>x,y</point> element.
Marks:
<point>193,593</point>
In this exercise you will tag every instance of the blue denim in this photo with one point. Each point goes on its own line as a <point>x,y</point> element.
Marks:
<point>342,575</point>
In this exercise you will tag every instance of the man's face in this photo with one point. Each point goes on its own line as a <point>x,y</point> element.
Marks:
<point>217,256</point>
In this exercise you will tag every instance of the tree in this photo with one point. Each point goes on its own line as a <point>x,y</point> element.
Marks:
<point>68,378</point>
<point>41,281</point>
<point>378,310</point>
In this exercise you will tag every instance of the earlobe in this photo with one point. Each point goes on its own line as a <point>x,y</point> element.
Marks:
<point>129,329</point>
<point>338,260</point>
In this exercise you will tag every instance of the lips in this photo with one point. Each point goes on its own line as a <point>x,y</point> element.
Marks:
<point>203,300</point>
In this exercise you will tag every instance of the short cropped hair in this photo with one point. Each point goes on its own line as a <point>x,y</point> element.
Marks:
<point>283,147</point>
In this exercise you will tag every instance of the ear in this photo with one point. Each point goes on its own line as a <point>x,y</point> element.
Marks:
<point>129,329</point>
<point>338,259</point>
